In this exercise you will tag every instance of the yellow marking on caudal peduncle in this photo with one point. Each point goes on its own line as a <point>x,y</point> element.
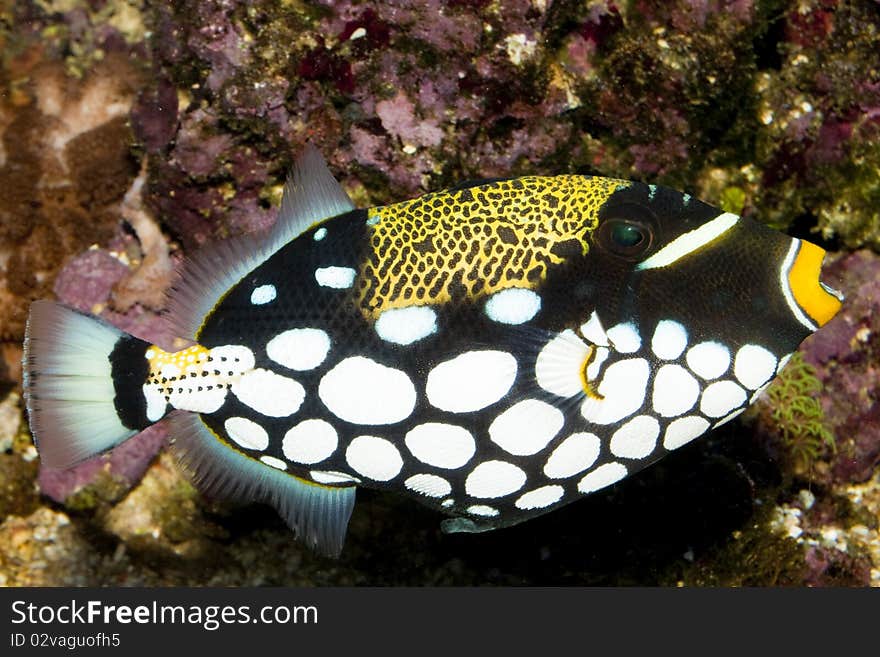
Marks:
<point>470,243</point>
<point>186,361</point>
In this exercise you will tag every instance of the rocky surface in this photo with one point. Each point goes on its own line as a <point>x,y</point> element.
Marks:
<point>132,131</point>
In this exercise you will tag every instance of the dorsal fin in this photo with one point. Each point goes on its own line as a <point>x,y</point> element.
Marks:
<point>317,514</point>
<point>311,194</point>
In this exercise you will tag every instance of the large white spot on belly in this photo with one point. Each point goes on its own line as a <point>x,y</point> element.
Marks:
<point>603,476</point>
<point>269,393</point>
<point>721,398</point>
<point>625,338</point>
<point>636,439</point>
<point>494,479</point>
<point>669,341</point>
<point>540,498</point>
<point>526,427</point>
<point>558,367</point>
<point>683,430</point>
<point>471,381</point>
<point>675,391</point>
<point>373,457</point>
<point>246,433</point>
<point>623,391</point>
<point>299,349</point>
<point>753,366</point>
<point>482,510</point>
<point>573,455</point>
<point>335,277</point>
<point>362,391</point>
<point>708,360</point>
<point>310,441</point>
<point>428,484</point>
<point>441,445</point>
<point>406,325</point>
<point>263,294</point>
<point>513,306</point>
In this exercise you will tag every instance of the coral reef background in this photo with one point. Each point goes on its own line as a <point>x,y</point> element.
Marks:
<point>133,131</point>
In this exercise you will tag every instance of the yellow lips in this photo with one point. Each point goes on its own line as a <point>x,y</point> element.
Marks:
<point>817,301</point>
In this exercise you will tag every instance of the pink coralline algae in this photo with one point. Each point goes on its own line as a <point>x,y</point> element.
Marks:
<point>846,353</point>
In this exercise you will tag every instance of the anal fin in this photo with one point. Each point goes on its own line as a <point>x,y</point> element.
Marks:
<point>317,514</point>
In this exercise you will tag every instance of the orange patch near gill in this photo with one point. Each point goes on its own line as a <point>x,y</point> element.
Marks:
<point>803,279</point>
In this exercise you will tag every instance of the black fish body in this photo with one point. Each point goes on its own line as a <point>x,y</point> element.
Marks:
<point>495,350</point>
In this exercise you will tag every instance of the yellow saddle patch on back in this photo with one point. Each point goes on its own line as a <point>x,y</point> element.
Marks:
<point>469,243</point>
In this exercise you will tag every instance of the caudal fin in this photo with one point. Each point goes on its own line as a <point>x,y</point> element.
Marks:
<point>77,371</point>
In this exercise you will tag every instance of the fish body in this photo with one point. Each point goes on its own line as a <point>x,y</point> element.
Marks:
<point>495,350</point>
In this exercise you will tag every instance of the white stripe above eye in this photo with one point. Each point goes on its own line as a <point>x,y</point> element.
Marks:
<point>691,241</point>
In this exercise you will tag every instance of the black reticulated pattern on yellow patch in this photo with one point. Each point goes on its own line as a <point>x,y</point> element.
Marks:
<point>468,243</point>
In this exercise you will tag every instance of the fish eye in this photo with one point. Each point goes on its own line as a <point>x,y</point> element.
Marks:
<point>625,237</point>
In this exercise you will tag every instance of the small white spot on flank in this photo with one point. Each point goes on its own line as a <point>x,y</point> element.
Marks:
<point>482,510</point>
<point>335,277</point>
<point>526,427</point>
<point>269,393</point>
<point>683,430</point>
<point>332,477</point>
<point>428,484</point>
<point>754,366</point>
<point>320,234</point>
<point>299,349</point>
<point>558,366</point>
<point>603,476</point>
<point>594,331</point>
<point>362,391</point>
<point>471,381</point>
<point>708,360</point>
<point>246,433</point>
<point>374,457</point>
<point>494,479</point>
<point>514,305</point>
<point>573,455</point>
<point>625,338</point>
<point>721,398</point>
<point>623,390</point>
<point>263,294</point>
<point>675,391</point>
<point>669,341</point>
<point>441,445</point>
<point>406,325</point>
<point>636,439</point>
<point>310,441</point>
<point>278,464</point>
<point>447,503</point>
<point>540,498</point>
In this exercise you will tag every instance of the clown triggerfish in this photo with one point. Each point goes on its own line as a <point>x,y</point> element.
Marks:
<point>495,350</point>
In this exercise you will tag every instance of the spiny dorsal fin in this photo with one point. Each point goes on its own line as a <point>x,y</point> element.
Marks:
<point>317,514</point>
<point>311,194</point>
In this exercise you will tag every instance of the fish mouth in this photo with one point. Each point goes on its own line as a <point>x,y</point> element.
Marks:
<point>812,301</point>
